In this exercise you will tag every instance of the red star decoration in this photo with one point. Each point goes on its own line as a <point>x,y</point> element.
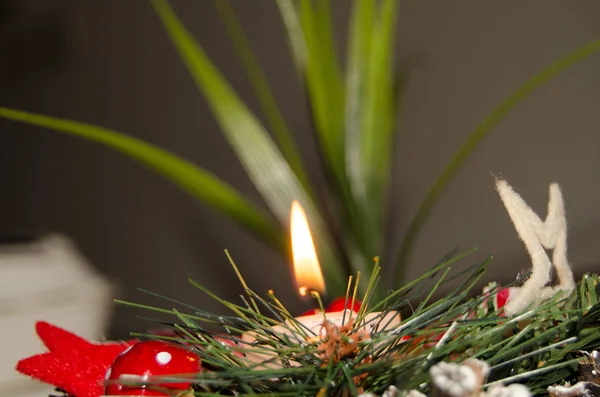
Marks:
<point>72,364</point>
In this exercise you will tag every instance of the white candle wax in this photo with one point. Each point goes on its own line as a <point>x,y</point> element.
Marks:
<point>315,324</point>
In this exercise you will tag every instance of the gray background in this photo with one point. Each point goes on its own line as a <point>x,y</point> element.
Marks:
<point>109,62</point>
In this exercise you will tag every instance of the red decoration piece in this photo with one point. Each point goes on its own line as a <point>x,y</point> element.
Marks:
<point>148,359</point>
<point>505,295</point>
<point>72,364</point>
<point>502,297</point>
<point>225,339</point>
<point>337,305</point>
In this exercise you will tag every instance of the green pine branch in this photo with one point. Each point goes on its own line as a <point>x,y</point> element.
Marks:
<point>539,348</point>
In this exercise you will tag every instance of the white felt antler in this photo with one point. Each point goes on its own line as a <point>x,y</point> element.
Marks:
<point>538,236</point>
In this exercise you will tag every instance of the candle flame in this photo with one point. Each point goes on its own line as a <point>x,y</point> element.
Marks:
<point>307,270</point>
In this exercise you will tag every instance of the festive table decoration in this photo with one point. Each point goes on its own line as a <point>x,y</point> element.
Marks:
<point>538,236</point>
<point>150,359</point>
<point>72,363</point>
<point>385,337</point>
<point>455,347</point>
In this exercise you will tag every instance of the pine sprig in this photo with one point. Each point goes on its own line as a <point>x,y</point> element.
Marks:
<point>537,348</point>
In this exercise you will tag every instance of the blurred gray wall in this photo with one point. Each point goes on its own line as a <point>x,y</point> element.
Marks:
<point>117,69</point>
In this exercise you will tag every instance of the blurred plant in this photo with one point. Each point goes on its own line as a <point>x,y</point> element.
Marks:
<point>354,113</point>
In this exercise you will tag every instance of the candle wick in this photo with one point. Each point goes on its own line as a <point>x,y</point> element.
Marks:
<point>316,299</point>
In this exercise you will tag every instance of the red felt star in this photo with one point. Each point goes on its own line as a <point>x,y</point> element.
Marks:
<point>72,364</point>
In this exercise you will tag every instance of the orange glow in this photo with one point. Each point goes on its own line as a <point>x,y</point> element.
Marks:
<point>307,271</point>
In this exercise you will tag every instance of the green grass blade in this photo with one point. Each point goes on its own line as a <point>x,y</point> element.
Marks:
<point>295,36</point>
<point>474,139</point>
<point>263,92</point>
<point>326,92</point>
<point>309,31</point>
<point>370,113</point>
<point>324,83</point>
<point>201,184</point>
<point>257,152</point>
<point>379,120</point>
<point>359,52</point>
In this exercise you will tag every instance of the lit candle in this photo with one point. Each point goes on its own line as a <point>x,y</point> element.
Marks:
<point>309,281</point>
<point>307,271</point>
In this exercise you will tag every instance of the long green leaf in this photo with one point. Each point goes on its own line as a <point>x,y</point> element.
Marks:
<point>472,142</point>
<point>325,84</point>
<point>370,113</point>
<point>326,91</point>
<point>263,91</point>
<point>254,147</point>
<point>378,132</point>
<point>295,36</point>
<point>311,41</point>
<point>199,183</point>
<point>359,53</point>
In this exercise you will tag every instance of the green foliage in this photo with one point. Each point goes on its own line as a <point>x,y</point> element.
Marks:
<point>354,106</point>
<point>539,348</point>
<point>263,92</point>
<point>201,184</point>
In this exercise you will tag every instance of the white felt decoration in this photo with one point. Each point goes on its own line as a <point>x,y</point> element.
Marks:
<point>539,236</point>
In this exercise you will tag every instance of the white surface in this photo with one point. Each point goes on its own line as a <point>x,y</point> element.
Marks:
<point>27,388</point>
<point>51,281</point>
